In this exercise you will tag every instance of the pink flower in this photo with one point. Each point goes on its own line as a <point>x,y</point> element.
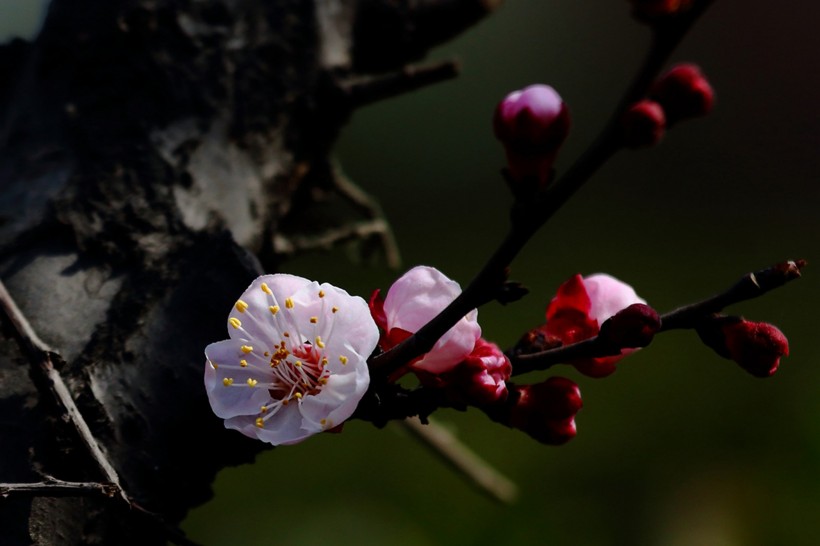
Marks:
<point>483,374</point>
<point>531,123</point>
<point>413,300</point>
<point>579,308</point>
<point>296,360</point>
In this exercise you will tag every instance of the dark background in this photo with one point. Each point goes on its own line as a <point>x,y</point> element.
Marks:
<point>679,447</point>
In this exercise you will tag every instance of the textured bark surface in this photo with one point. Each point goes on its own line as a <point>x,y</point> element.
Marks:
<point>150,154</point>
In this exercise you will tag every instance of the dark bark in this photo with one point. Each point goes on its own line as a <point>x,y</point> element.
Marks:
<point>150,153</point>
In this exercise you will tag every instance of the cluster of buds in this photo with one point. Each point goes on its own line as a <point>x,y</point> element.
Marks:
<point>682,93</point>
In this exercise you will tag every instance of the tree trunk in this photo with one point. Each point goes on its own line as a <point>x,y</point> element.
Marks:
<point>153,153</point>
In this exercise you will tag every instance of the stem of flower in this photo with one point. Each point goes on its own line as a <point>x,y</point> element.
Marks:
<point>749,286</point>
<point>529,217</point>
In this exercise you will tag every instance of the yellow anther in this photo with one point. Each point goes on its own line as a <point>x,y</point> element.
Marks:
<point>241,306</point>
<point>321,293</point>
<point>214,366</point>
<point>252,382</point>
<point>319,342</point>
<point>323,422</point>
<point>334,309</point>
<point>243,363</point>
<point>265,289</point>
<point>267,353</point>
<point>343,359</point>
<point>323,381</point>
<point>235,322</point>
<point>228,381</point>
<point>286,334</point>
<point>260,422</point>
<point>289,303</point>
<point>298,395</point>
<point>324,361</point>
<point>314,320</point>
<point>285,402</point>
<point>298,363</point>
<point>274,309</point>
<point>263,409</point>
<point>246,349</point>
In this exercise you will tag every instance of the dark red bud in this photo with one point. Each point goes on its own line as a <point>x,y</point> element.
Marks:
<point>546,411</point>
<point>684,92</point>
<point>643,124</point>
<point>757,347</point>
<point>632,327</point>
<point>651,10</point>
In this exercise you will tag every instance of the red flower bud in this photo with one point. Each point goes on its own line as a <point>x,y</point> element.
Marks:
<point>756,346</point>
<point>650,10</point>
<point>684,92</point>
<point>643,124</point>
<point>632,327</point>
<point>546,411</point>
<point>531,123</point>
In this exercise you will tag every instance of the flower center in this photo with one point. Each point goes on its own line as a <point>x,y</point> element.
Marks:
<point>297,372</point>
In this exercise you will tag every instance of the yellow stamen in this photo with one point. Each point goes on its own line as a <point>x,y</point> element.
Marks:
<point>343,360</point>
<point>285,402</point>
<point>314,320</point>
<point>235,322</point>
<point>319,342</point>
<point>321,293</point>
<point>241,306</point>
<point>260,422</point>
<point>286,334</point>
<point>246,349</point>
<point>265,289</point>
<point>324,361</point>
<point>298,395</point>
<point>228,381</point>
<point>334,309</point>
<point>298,363</point>
<point>263,409</point>
<point>289,303</point>
<point>243,363</point>
<point>267,353</point>
<point>323,381</point>
<point>252,382</point>
<point>323,422</point>
<point>274,309</point>
<point>214,366</point>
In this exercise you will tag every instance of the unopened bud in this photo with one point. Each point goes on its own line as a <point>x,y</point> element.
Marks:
<point>643,124</point>
<point>546,411</point>
<point>531,123</point>
<point>651,10</point>
<point>632,327</point>
<point>756,346</point>
<point>684,92</point>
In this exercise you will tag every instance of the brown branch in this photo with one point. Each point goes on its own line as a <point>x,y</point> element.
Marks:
<point>52,487</point>
<point>462,459</point>
<point>749,286</point>
<point>528,217</point>
<point>366,90</point>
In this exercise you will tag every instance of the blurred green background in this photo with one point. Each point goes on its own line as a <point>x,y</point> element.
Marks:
<point>677,448</point>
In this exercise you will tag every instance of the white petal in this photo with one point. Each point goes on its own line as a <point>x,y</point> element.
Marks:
<point>237,398</point>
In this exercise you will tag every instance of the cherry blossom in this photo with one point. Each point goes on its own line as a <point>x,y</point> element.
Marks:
<point>296,360</point>
<point>578,310</point>
<point>411,302</point>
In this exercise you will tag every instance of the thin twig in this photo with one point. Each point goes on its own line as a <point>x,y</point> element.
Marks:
<point>41,357</point>
<point>749,286</point>
<point>42,360</point>
<point>462,459</point>
<point>529,217</point>
<point>52,487</point>
<point>369,89</point>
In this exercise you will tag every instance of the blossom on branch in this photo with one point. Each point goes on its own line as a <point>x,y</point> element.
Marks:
<point>757,347</point>
<point>546,411</point>
<point>580,307</point>
<point>296,360</point>
<point>531,123</point>
<point>411,302</point>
